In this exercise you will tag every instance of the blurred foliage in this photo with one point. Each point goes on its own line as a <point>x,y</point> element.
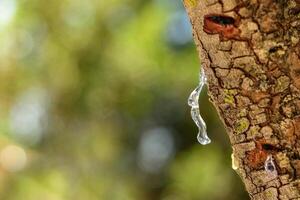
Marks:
<point>93,105</point>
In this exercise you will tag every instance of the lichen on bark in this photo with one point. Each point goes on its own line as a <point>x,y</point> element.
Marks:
<point>250,52</point>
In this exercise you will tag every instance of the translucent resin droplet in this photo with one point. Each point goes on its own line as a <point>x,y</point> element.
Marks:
<point>270,167</point>
<point>193,101</point>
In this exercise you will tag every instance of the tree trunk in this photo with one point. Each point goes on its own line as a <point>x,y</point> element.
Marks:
<point>250,52</point>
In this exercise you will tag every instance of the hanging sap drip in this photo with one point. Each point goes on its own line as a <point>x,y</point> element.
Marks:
<point>193,101</point>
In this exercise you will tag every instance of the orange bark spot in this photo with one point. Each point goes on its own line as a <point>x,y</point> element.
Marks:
<point>297,126</point>
<point>257,96</point>
<point>275,103</point>
<point>295,69</point>
<point>222,25</point>
<point>257,157</point>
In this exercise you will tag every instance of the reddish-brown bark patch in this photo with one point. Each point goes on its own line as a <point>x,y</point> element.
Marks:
<point>257,157</point>
<point>222,25</point>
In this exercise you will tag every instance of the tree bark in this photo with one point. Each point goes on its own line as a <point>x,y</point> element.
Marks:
<point>250,52</point>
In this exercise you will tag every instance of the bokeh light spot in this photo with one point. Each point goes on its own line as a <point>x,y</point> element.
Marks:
<point>156,149</point>
<point>13,158</point>
<point>7,11</point>
<point>29,116</point>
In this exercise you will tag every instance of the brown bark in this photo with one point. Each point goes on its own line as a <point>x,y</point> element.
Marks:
<point>250,52</point>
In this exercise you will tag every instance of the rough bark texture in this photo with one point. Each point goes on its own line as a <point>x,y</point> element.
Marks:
<point>250,52</point>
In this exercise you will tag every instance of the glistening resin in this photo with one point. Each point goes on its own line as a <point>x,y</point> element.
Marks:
<point>193,101</point>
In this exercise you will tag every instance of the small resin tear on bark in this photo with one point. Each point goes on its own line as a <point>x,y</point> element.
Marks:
<point>234,163</point>
<point>193,101</point>
<point>270,167</point>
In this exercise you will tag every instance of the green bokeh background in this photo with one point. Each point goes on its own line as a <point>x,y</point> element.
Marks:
<point>95,93</point>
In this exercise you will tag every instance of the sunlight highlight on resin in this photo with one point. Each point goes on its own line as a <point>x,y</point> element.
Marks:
<point>193,102</point>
